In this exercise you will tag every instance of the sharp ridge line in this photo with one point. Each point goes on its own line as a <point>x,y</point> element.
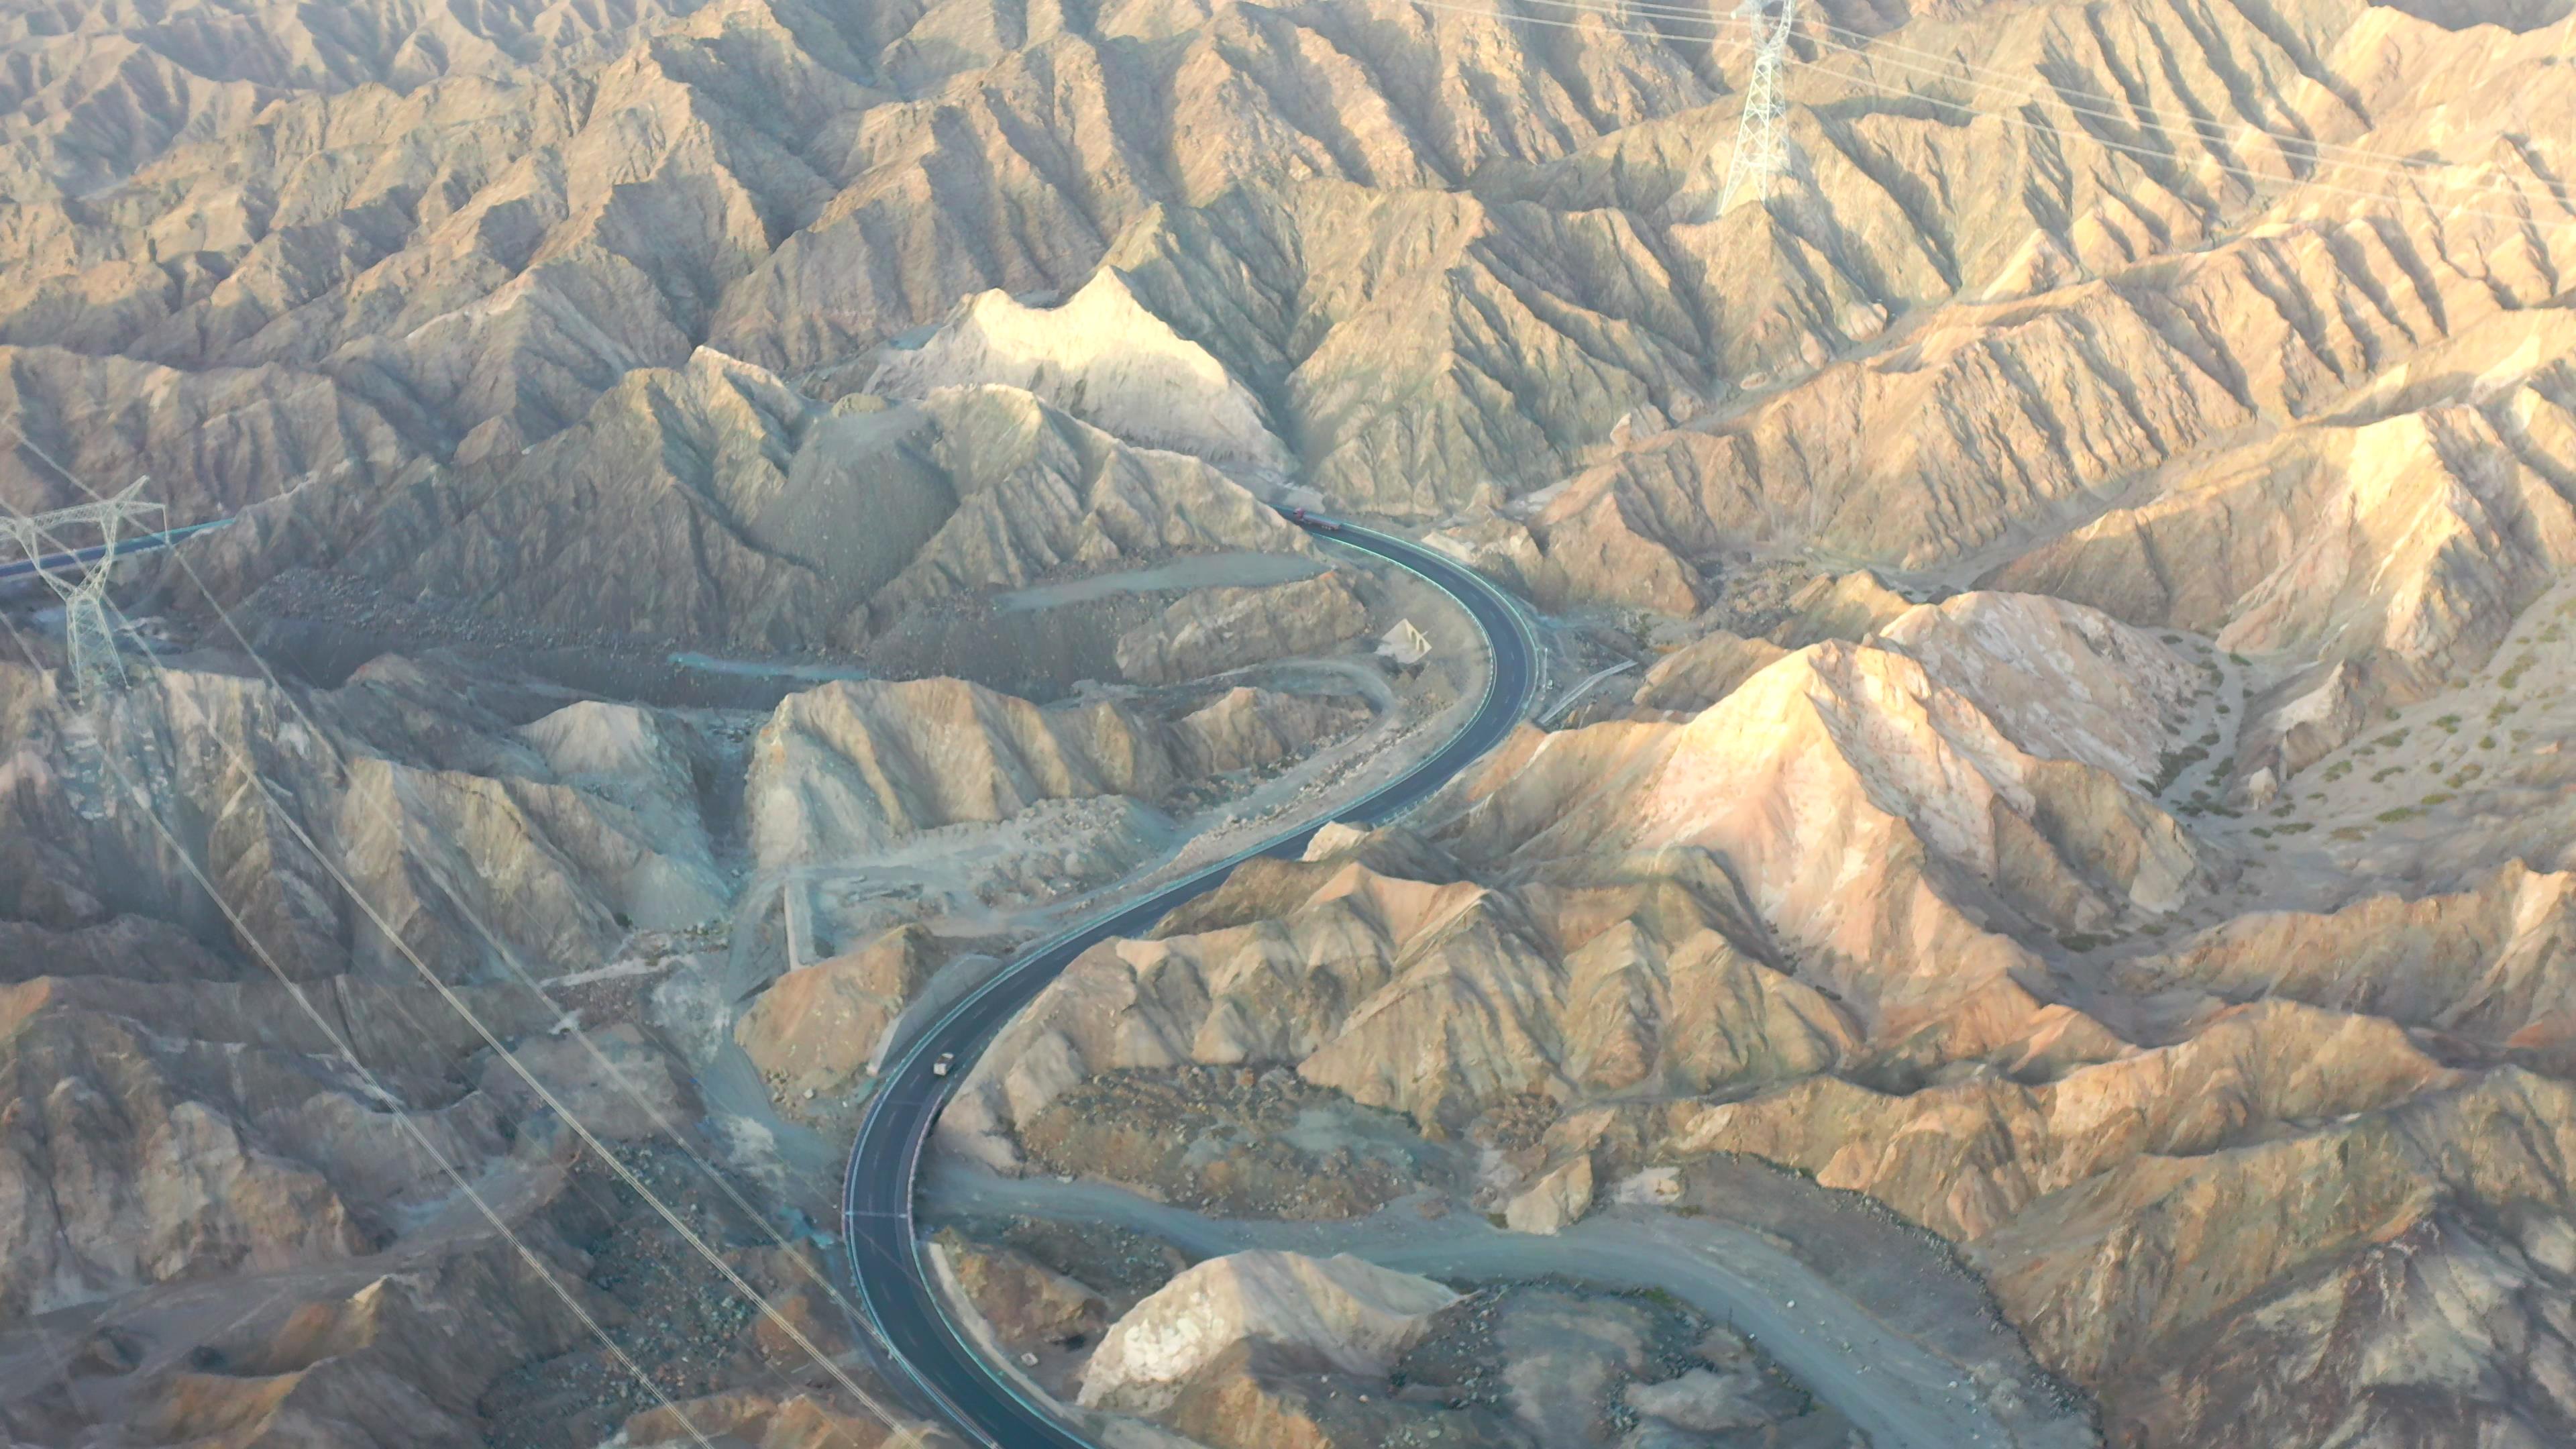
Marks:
<point>401,1114</point>
<point>616,1164</point>
<point>2193,126</point>
<point>1373,808</point>
<point>2013,119</point>
<point>493,939</point>
<point>1876,44</point>
<point>1868,46</point>
<point>1875,48</point>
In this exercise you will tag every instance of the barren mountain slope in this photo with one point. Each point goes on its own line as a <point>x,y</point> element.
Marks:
<point>1845,811</point>
<point>713,505</point>
<point>2097,534</point>
<point>256,937</point>
<point>1849,920</point>
<point>1428,247</point>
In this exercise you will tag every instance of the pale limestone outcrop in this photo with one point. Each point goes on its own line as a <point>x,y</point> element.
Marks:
<point>2062,680</point>
<point>500,319</point>
<point>796,202</point>
<point>1552,1202</point>
<point>2035,663</point>
<point>2224,377</point>
<point>1037,491</point>
<point>1340,1311</point>
<point>1702,1402</point>
<point>1100,357</point>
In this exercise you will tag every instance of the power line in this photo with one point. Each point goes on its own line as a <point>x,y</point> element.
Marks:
<point>760,1302</point>
<point>2255,178</point>
<point>375,1085</point>
<point>2196,125</point>
<point>1948,67</point>
<point>509,960</point>
<point>2008,118</point>
<point>670,1218</point>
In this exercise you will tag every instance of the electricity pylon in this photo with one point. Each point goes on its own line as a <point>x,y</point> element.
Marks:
<point>1760,151</point>
<point>81,584</point>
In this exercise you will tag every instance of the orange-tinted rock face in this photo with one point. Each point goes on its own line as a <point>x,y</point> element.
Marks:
<point>2093,544</point>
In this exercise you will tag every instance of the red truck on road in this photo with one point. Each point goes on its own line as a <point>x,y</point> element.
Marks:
<point>1309,520</point>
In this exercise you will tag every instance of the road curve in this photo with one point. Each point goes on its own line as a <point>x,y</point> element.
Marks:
<point>894,1291</point>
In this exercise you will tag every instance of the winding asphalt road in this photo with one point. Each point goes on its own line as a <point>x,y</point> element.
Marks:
<point>973,1396</point>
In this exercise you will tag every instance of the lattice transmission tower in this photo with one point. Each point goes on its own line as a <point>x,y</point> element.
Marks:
<point>1761,153</point>
<point>78,575</point>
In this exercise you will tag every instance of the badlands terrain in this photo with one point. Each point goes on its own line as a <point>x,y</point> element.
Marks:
<point>2042,909</point>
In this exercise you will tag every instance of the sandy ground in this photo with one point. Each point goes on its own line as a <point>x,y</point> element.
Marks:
<point>1901,1389</point>
<point>2431,798</point>
<point>1204,571</point>
<point>170,1319</point>
<point>2435,795</point>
